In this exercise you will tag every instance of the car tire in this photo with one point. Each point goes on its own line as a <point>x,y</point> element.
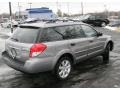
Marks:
<point>63,68</point>
<point>106,54</point>
<point>103,24</point>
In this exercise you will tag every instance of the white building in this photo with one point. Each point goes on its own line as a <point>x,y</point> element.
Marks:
<point>39,13</point>
<point>21,15</point>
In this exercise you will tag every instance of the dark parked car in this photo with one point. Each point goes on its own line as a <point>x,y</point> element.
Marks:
<point>95,20</point>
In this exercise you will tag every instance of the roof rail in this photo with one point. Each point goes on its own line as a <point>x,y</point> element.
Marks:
<point>50,20</point>
<point>55,20</point>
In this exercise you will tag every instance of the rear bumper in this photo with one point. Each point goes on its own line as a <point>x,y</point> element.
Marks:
<point>34,65</point>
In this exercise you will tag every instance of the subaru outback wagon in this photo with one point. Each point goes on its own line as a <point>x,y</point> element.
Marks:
<point>44,46</point>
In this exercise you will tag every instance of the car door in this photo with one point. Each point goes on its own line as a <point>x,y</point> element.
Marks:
<point>91,20</point>
<point>98,20</point>
<point>78,43</point>
<point>96,44</point>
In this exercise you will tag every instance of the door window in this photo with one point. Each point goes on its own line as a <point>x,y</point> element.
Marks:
<point>92,17</point>
<point>89,32</point>
<point>79,31</point>
<point>71,32</point>
<point>49,34</point>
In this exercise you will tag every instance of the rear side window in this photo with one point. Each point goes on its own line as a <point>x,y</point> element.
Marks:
<point>25,35</point>
<point>49,34</point>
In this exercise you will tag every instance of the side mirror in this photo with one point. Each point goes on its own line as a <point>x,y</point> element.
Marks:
<point>99,34</point>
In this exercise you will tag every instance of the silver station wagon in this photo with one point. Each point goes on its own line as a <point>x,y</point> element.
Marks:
<point>54,46</point>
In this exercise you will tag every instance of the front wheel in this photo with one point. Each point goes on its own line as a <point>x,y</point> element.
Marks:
<point>63,68</point>
<point>106,54</point>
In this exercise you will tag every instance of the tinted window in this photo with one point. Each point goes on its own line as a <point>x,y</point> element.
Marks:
<point>70,32</point>
<point>92,17</point>
<point>79,31</point>
<point>49,34</point>
<point>99,17</point>
<point>89,32</point>
<point>67,32</point>
<point>25,35</point>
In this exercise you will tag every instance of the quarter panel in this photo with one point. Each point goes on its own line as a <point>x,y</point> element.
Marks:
<point>21,49</point>
<point>56,49</point>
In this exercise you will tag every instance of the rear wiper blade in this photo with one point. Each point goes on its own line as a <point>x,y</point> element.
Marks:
<point>15,39</point>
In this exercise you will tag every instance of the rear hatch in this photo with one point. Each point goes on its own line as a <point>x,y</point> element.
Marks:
<point>19,44</point>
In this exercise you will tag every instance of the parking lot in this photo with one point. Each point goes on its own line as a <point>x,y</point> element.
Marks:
<point>90,73</point>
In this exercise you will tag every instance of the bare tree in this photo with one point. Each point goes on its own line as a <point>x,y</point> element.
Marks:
<point>59,13</point>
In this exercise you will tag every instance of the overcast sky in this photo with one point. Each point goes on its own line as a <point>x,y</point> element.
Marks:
<point>73,5</point>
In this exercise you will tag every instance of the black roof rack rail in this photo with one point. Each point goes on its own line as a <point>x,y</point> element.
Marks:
<point>74,20</point>
<point>51,20</point>
<point>64,20</point>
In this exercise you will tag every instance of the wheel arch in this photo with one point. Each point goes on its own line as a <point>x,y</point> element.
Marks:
<point>69,55</point>
<point>62,55</point>
<point>111,45</point>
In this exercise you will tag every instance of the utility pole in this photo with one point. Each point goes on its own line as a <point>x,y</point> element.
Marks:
<point>82,8</point>
<point>30,5</point>
<point>68,8</point>
<point>106,11</point>
<point>57,5</point>
<point>30,8</point>
<point>10,10</point>
<point>19,8</point>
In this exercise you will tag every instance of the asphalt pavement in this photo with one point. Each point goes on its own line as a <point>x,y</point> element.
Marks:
<point>88,74</point>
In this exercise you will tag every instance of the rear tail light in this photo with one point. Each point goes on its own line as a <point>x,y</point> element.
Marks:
<point>37,49</point>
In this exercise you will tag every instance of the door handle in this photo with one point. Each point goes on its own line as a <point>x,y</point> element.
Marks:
<point>72,44</point>
<point>91,41</point>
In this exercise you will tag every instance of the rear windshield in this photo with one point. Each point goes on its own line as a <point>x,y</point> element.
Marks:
<point>25,35</point>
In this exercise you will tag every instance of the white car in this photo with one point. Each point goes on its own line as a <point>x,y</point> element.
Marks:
<point>8,23</point>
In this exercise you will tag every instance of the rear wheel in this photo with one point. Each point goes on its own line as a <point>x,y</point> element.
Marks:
<point>106,54</point>
<point>103,24</point>
<point>63,68</point>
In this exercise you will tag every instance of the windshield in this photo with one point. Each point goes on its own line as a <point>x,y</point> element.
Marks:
<point>25,35</point>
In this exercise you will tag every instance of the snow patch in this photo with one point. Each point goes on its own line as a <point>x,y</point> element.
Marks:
<point>111,28</point>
